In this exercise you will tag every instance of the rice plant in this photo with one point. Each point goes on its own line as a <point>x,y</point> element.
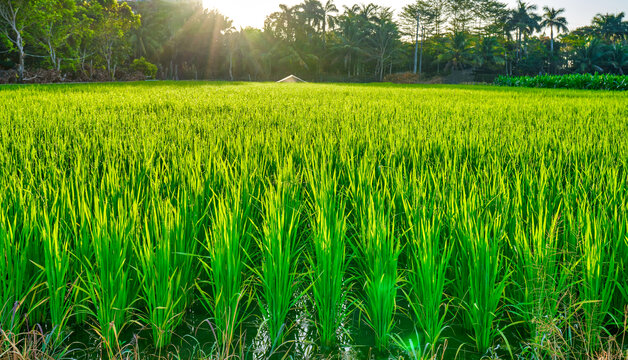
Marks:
<point>600,272</point>
<point>164,271</point>
<point>480,238</point>
<point>328,259</point>
<point>377,252</point>
<point>280,251</point>
<point>109,282</point>
<point>19,277</point>
<point>429,256</point>
<point>541,278</point>
<point>227,264</point>
<point>56,269</point>
<point>499,213</point>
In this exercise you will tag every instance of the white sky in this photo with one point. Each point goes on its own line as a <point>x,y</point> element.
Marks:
<point>253,12</point>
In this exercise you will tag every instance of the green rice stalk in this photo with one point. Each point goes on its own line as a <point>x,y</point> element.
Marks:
<point>429,260</point>
<point>108,279</point>
<point>164,270</point>
<point>56,269</point>
<point>226,266</point>
<point>480,237</point>
<point>280,252</point>
<point>328,260</point>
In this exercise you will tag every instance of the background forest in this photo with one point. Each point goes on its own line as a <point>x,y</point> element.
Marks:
<point>108,39</point>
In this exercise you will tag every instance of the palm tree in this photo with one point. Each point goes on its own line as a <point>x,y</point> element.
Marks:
<point>329,20</point>
<point>313,13</point>
<point>590,57</point>
<point>488,52</point>
<point>610,27</point>
<point>552,19</point>
<point>457,52</point>
<point>524,21</point>
<point>619,56</point>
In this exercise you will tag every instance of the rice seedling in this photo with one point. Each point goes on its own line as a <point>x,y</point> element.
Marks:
<point>377,251</point>
<point>108,281</point>
<point>226,265</point>
<point>280,251</point>
<point>480,235</point>
<point>328,260</point>
<point>165,282</point>
<point>429,255</point>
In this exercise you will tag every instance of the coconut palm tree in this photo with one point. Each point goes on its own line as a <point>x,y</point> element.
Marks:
<point>524,21</point>
<point>329,19</point>
<point>551,20</point>
<point>488,52</point>
<point>610,27</point>
<point>619,57</point>
<point>457,52</point>
<point>590,57</point>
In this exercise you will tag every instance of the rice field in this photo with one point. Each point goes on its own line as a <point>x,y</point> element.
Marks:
<point>227,220</point>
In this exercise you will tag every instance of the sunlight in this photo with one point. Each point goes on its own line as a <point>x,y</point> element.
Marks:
<point>246,12</point>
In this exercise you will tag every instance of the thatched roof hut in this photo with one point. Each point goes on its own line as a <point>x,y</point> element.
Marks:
<point>291,79</point>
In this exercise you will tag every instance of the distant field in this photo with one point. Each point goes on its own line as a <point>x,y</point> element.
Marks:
<point>217,219</point>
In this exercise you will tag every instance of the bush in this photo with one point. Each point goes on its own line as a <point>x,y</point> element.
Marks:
<point>574,81</point>
<point>143,66</point>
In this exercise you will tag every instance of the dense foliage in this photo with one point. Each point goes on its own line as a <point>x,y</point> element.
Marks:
<point>492,217</point>
<point>575,81</point>
<point>99,39</point>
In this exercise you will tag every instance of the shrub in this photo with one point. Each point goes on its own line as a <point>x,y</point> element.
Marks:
<point>574,81</point>
<point>142,65</point>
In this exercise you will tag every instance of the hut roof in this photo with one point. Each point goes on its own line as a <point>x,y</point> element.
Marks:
<point>291,79</point>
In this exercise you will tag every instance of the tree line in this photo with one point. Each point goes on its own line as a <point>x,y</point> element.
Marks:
<point>315,40</point>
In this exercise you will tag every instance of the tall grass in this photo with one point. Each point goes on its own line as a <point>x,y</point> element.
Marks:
<point>109,281</point>
<point>480,240</point>
<point>328,259</point>
<point>280,251</point>
<point>429,256</point>
<point>377,251</point>
<point>226,267</point>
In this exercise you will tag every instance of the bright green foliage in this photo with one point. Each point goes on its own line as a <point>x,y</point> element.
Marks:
<point>575,81</point>
<point>377,250</point>
<point>480,236</point>
<point>279,251</point>
<point>108,279</point>
<point>226,266</point>
<point>490,214</point>
<point>166,269</point>
<point>429,258</point>
<point>328,259</point>
<point>56,269</point>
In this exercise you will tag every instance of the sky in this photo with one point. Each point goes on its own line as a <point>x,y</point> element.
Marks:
<point>253,12</point>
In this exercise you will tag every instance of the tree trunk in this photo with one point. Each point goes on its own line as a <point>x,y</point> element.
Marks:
<point>325,32</point>
<point>416,44</point>
<point>552,40</point>
<point>20,49</point>
<point>551,49</point>
<point>231,66</point>
<point>421,58</point>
